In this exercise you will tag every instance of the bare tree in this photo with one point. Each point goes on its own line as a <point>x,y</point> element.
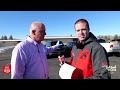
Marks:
<point>119,37</point>
<point>106,38</point>
<point>98,37</point>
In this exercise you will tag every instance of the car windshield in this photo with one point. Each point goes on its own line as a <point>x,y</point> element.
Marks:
<point>50,43</point>
<point>70,44</point>
<point>116,40</point>
<point>53,43</point>
<point>101,41</point>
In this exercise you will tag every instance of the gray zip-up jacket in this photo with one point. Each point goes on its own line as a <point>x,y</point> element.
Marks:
<point>90,59</point>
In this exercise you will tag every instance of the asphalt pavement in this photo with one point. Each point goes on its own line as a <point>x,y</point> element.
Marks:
<point>54,67</point>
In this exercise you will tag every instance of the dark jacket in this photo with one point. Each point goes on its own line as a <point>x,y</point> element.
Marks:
<point>90,60</point>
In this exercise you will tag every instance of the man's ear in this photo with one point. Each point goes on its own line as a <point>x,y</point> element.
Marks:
<point>33,32</point>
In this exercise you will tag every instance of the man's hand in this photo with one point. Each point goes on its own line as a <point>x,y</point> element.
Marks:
<point>61,59</point>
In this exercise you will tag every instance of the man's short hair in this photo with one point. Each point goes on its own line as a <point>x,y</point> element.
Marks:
<point>83,20</point>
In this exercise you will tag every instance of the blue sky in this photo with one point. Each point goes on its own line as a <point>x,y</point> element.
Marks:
<point>58,23</point>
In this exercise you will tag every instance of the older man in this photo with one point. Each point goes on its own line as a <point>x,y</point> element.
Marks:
<point>29,59</point>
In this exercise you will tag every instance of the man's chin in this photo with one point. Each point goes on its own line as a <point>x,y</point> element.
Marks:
<point>81,39</point>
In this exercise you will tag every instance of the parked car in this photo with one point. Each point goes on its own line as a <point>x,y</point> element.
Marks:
<point>58,50</point>
<point>68,48</point>
<point>115,41</point>
<point>110,47</point>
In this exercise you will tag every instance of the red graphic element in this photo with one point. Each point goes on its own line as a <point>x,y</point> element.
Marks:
<point>6,69</point>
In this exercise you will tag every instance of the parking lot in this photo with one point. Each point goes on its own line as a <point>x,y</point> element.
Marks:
<point>54,66</point>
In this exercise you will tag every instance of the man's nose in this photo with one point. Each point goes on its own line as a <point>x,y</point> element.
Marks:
<point>81,31</point>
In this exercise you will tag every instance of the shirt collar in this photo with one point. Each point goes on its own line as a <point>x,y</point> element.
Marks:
<point>32,41</point>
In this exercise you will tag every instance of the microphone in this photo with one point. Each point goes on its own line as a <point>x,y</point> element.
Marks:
<point>61,58</point>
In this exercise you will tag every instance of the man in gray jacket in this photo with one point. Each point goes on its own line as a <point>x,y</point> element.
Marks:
<point>88,56</point>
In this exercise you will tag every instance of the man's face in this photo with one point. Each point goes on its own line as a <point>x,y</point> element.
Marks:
<point>40,33</point>
<point>81,31</point>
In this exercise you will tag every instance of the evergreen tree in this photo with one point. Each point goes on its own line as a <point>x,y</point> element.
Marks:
<point>5,38</point>
<point>2,37</point>
<point>10,38</point>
